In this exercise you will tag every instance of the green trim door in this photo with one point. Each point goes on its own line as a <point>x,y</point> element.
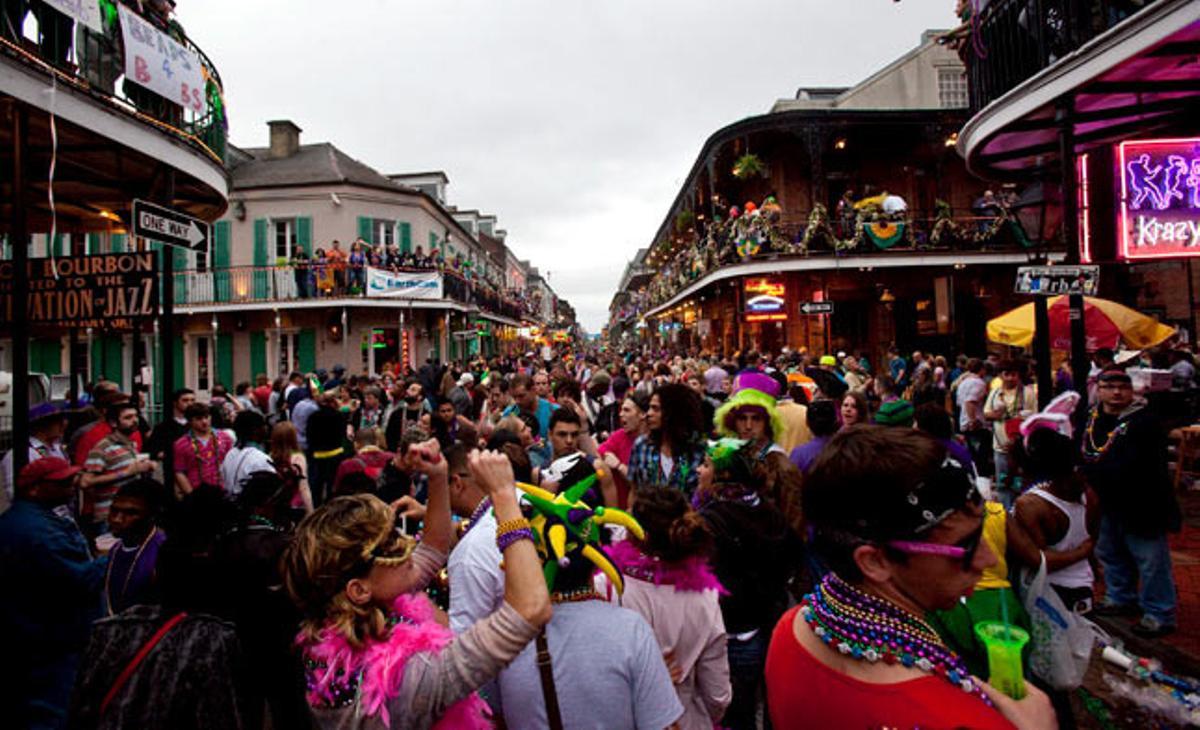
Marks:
<point>225,360</point>
<point>108,359</point>
<point>306,350</point>
<point>405,236</point>
<point>261,275</point>
<point>220,261</point>
<point>258,354</point>
<point>304,234</point>
<point>45,356</point>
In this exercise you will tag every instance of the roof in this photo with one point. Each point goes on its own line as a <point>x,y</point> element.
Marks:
<point>312,164</point>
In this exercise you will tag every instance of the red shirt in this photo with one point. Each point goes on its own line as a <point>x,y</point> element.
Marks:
<point>804,693</point>
<point>620,444</point>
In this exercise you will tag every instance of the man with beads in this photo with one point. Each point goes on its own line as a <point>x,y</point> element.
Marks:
<point>1124,460</point>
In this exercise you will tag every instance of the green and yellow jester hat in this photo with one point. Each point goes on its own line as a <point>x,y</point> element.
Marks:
<point>565,527</point>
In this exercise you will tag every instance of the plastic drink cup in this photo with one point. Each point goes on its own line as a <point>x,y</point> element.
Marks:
<point>1004,644</point>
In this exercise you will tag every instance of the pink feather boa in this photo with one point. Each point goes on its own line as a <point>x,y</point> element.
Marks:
<point>692,574</point>
<point>381,664</point>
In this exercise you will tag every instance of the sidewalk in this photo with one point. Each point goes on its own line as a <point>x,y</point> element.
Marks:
<point>1180,650</point>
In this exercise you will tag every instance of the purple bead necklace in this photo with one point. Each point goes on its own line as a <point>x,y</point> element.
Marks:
<point>863,626</point>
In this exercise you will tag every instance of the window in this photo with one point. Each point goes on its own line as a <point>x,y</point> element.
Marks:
<point>202,257</point>
<point>202,363</point>
<point>952,88</point>
<point>385,232</point>
<point>289,352</point>
<point>285,237</point>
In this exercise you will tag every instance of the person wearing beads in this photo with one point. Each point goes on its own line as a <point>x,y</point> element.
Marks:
<point>607,669</point>
<point>900,525</point>
<point>1124,460</point>
<point>375,655</point>
<point>669,582</point>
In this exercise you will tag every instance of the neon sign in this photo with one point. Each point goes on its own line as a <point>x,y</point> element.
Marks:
<point>765,300</point>
<point>1160,198</point>
<point>768,287</point>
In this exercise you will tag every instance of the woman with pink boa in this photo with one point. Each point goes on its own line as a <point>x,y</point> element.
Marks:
<point>375,655</point>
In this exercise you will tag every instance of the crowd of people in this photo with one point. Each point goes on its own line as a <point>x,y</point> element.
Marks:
<point>594,540</point>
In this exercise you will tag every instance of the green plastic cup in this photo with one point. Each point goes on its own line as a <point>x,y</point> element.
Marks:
<point>1004,644</point>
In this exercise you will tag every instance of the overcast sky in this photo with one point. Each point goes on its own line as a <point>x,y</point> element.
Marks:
<point>573,121</point>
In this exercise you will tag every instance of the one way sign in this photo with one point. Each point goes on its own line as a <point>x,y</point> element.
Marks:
<point>816,308</point>
<point>169,226</point>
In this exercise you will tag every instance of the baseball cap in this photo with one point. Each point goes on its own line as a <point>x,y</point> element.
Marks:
<point>828,360</point>
<point>46,469</point>
<point>466,379</point>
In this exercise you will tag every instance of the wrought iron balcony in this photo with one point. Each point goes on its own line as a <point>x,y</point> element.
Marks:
<point>94,62</point>
<point>1011,40</point>
<point>292,285</point>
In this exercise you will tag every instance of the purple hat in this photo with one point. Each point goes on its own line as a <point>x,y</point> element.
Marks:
<point>754,380</point>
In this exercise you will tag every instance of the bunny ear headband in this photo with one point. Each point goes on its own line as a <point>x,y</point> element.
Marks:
<point>1056,416</point>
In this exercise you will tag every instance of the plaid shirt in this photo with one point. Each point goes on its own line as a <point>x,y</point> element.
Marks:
<point>646,470</point>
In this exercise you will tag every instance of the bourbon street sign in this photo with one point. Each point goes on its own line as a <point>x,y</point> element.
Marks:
<point>107,292</point>
<point>1159,208</point>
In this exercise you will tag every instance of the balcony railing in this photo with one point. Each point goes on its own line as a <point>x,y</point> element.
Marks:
<point>868,233</point>
<point>1012,40</point>
<point>94,62</point>
<point>283,284</point>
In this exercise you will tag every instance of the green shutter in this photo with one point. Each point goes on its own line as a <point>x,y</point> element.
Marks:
<point>93,243</point>
<point>57,246</point>
<point>220,260</point>
<point>45,356</point>
<point>116,243</point>
<point>306,350</point>
<point>258,354</point>
<point>434,242</point>
<point>405,236</point>
<point>366,229</point>
<point>181,279</point>
<point>225,360</point>
<point>304,233</point>
<point>107,358</point>
<point>261,276</point>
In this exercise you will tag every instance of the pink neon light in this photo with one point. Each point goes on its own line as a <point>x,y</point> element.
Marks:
<point>1083,205</point>
<point>1161,197</point>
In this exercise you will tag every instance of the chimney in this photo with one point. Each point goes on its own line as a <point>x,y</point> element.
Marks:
<point>285,139</point>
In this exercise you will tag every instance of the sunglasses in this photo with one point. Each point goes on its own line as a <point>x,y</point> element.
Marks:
<point>963,550</point>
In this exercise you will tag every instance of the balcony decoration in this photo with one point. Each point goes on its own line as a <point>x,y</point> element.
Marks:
<point>947,232</point>
<point>684,220</point>
<point>749,165</point>
<point>819,230</point>
<point>884,234</point>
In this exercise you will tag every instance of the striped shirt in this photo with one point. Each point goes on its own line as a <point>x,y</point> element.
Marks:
<point>114,453</point>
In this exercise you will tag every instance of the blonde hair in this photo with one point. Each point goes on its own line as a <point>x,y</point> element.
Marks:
<point>330,548</point>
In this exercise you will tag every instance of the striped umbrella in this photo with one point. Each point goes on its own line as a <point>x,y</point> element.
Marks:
<point>1105,323</point>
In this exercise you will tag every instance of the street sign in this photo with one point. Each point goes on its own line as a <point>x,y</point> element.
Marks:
<point>108,292</point>
<point>1055,280</point>
<point>816,308</point>
<point>169,226</point>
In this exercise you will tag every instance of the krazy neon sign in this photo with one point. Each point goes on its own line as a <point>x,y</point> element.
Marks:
<point>1160,198</point>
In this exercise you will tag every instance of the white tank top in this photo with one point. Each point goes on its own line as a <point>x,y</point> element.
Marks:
<point>1078,574</point>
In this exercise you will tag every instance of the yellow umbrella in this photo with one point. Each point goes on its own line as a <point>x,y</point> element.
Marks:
<point>1106,323</point>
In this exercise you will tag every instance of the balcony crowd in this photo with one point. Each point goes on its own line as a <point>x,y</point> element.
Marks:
<point>335,272</point>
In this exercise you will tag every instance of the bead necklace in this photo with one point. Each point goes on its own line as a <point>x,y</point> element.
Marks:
<point>477,514</point>
<point>128,576</point>
<point>862,626</point>
<point>575,596</point>
<point>1092,452</point>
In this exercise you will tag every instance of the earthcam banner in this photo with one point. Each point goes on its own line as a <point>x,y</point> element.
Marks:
<point>110,292</point>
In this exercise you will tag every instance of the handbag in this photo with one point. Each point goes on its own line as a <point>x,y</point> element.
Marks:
<point>1061,641</point>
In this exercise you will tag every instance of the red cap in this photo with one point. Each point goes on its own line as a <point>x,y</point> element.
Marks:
<point>46,469</point>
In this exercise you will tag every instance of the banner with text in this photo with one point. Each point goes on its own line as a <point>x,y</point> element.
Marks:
<point>158,62</point>
<point>404,284</point>
<point>85,11</point>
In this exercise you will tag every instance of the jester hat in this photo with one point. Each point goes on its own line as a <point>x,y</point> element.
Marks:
<point>750,390</point>
<point>567,528</point>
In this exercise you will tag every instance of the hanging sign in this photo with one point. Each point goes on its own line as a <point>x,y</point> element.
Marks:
<point>765,300</point>
<point>156,61</point>
<point>1055,280</point>
<point>85,11</point>
<point>109,292</point>
<point>1159,209</point>
<point>404,284</point>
